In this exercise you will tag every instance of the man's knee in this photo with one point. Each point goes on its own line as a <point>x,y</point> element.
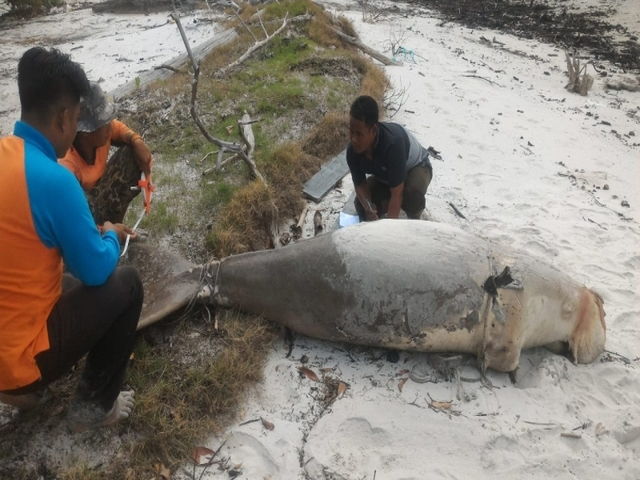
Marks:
<point>128,281</point>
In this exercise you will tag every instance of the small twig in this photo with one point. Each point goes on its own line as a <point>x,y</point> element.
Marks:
<point>458,212</point>
<point>482,78</point>
<point>266,34</point>
<point>594,222</point>
<point>211,461</point>
<point>206,156</point>
<point>621,357</point>
<point>542,424</point>
<point>248,422</point>
<point>571,435</point>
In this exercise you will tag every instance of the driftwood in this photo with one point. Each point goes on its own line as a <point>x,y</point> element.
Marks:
<point>233,147</point>
<point>368,50</point>
<point>246,133</point>
<point>579,80</point>
<point>625,84</point>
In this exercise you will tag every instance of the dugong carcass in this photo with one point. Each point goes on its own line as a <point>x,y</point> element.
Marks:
<point>415,285</point>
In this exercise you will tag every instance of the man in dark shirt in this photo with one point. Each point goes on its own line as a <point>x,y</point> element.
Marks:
<point>399,166</point>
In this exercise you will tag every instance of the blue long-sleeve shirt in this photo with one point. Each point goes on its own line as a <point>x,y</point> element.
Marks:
<point>61,214</point>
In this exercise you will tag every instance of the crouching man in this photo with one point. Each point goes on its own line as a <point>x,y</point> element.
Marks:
<point>399,166</point>
<point>48,324</point>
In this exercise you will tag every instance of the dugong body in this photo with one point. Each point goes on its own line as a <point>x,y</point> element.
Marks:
<point>415,285</point>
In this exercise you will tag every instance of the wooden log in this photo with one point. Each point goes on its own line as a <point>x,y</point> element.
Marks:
<point>366,49</point>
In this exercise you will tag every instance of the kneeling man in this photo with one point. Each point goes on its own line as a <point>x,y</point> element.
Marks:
<point>399,166</point>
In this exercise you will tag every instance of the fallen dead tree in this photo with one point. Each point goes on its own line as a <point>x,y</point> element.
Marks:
<point>366,49</point>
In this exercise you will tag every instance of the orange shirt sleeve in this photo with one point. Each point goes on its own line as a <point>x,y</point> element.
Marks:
<point>120,133</point>
<point>73,162</point>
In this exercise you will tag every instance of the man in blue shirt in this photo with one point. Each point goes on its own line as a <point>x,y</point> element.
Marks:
<point>48,321</point>
<point>399,166</point>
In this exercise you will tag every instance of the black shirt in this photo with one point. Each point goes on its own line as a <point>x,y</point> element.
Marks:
<point>395,152</point>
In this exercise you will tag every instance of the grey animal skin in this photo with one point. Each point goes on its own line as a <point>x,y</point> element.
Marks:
<point>415,285</point>
<point>403,284</point>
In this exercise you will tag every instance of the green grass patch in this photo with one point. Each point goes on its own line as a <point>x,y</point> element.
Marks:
<point>162,218</point>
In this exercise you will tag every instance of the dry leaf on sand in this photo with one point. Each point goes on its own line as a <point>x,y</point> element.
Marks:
<point>310,374</point>
<point>441,405</point>
<point>402,382</point>
<point>342,387</point>
<point>200,452</point>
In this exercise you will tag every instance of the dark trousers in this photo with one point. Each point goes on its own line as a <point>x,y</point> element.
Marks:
<point>100,321</point>
<point>112,194</point>
<point>413,201</point>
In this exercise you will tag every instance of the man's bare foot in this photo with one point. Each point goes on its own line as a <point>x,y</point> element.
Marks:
<point>82,420</point>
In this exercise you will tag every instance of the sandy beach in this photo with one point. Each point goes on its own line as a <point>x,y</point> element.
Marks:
<point>529,165</point>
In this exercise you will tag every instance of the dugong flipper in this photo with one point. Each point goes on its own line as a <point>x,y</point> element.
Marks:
<point>416,285</point>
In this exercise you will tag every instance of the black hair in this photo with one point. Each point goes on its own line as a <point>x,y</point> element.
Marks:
<point>365,109</point>
<point>47,79</point>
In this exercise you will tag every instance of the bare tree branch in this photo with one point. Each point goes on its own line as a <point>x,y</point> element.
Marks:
<point>223,145</point>
<point>169,67</point>
<point>254,47</point>
<point>368,50</point>
<point>246,133</point>
<point>266,34</point>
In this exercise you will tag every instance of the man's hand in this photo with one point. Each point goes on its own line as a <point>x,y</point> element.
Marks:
<point>142,155</point>
<point>120,228</point>
<point>371,215</point>
<point>364,197</point>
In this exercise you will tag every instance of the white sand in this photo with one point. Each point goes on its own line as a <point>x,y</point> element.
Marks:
<point>112,48</point>
<point>502,142</point>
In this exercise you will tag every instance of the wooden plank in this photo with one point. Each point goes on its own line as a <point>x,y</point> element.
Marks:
<point>328,176</point>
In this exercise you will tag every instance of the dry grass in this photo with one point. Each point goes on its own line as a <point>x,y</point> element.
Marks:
<point>179,402</point>
<point>244,223</point>
<point>288,168</point>
<point>347,26</point>
<point>183,392</point>
<point>328,137</point>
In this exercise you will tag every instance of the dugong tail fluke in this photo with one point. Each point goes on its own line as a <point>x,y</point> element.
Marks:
<point>416,285</point>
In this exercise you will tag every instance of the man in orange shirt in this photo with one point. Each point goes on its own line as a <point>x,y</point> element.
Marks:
<point>106,181</point>
<point>48,324</point>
